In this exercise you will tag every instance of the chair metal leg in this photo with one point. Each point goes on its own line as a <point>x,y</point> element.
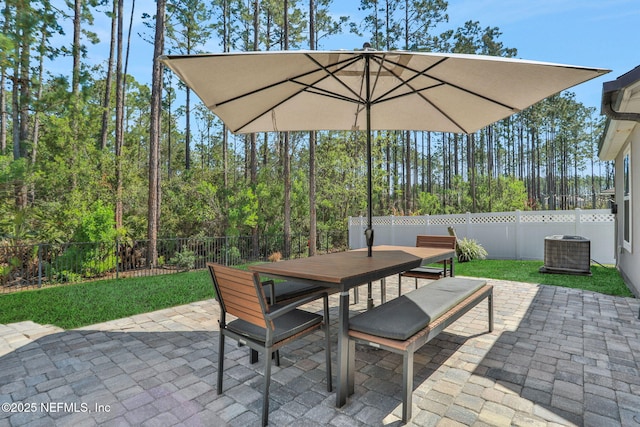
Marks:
<point>399,284</point>
<point>220,362</point>
<point>267,380</point>
<point>327,343</point>
<point>490,302</point>
<point>383,290</point>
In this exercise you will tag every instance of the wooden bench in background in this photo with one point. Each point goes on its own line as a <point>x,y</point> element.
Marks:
<point>427,272</point>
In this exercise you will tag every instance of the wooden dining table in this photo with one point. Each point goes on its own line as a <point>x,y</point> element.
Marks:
<point>346,270</point>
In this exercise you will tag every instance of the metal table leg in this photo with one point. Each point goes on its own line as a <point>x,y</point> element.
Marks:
<point>343,349</point>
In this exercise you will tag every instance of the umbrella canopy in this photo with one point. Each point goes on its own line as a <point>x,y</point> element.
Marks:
<point>368,90</point>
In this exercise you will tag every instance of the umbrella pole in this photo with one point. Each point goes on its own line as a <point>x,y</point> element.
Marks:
<point>369,231</point>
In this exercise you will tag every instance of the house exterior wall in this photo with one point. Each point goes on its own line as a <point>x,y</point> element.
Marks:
<point>629,258</point>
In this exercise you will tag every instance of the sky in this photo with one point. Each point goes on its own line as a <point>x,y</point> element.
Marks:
<point>592,33</point>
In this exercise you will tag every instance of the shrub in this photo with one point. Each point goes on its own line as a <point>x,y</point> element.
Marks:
<point>184,260</point>
<point>94,254</point>
<point>468,249</point>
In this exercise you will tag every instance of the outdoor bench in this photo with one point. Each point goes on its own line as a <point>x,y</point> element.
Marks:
<point>404,324</point>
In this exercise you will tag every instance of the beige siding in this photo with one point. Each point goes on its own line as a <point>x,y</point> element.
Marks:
<point>629,261</point>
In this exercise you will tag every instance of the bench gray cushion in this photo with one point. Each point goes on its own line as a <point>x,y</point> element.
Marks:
<point>402,317</point>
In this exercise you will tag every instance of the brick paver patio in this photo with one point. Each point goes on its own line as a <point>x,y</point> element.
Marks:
<point>556,357</point>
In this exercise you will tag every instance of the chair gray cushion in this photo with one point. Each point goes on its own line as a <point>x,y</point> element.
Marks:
<point>289,290</point>
<point>402,317</point>
<point>286,326</point>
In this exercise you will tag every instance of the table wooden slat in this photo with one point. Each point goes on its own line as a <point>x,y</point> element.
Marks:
<point>353,268</point>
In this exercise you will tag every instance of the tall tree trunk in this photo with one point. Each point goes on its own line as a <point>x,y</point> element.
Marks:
<point>187,136</point>
<point>154,137</point>
<point>489,163</point>
<point>3,113</point>
<point>24,78</point>
<point>312,149</point>
<point>36,115</point>
<point>414,190</point>
<point>75,88</point>
<point>472,161</point>
<point>253,153</point>
<point>106,104</point>
<point>407,172</point>
<point>124,74</point>
<point>119,117</point>
<point>429,164</point>
<point>75,80</point>
<point>389,191</point>
<point>286,158</point>
<point>226,13</point>
<point>456,155</point>
<point>169,129</point>
<point>3,91</point>
<point>265,149</point>
<point>446,170</point>
<point>19,189</point>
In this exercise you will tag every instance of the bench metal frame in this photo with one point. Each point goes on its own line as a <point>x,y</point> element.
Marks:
<point>408,347</point>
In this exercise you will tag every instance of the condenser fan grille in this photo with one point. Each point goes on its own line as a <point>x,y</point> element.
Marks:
<point>567,255</point>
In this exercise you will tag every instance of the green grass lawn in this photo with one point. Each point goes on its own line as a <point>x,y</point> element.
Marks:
<point>605,280</point>
<point>73,306</point>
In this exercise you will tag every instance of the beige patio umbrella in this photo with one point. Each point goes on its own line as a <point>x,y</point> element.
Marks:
<point>368,90</point>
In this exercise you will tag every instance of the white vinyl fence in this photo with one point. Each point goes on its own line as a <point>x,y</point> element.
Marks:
<point>505,235</point>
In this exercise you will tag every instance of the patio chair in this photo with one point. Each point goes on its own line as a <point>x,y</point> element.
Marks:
<point>261,326</point>
<point>285,293</point>
<point>427,272</point>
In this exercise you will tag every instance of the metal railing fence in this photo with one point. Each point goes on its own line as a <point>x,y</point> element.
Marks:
<point>34,266</point>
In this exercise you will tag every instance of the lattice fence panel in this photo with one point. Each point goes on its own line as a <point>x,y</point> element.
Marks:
<point>493,219</point>
<point>597,217</point>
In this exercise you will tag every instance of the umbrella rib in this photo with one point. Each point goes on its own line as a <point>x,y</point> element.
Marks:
<point>428,101</point>
<point>283,81</point>
<point>417,73</point>
<point>305,86</point>
<point>333,75</point>
<point>257,116</point>
<point>414,91</point>
<point>444,82</point>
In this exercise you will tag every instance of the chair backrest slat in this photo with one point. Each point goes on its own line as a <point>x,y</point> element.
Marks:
<point>238,291</point>
<point>436,241</point>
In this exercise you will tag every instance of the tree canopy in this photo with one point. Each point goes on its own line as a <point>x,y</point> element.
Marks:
<point>62,164</point>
